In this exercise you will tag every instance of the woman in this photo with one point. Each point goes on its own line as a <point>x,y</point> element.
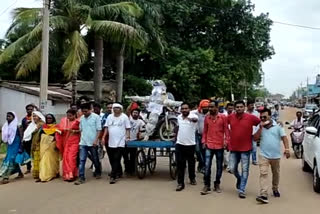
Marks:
<point>68,144</point>
<point>33,133</point>
<point>11,136</point>
<point>49,154</point>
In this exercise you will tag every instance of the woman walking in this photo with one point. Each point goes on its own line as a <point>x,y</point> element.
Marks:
<point>11,136</point>
<point>49,154</point>
<point>33,133</point>
<point>68,144</point>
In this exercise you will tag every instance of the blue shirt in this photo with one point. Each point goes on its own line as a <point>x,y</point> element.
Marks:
<point>89,127</point>
<point>270,141</point>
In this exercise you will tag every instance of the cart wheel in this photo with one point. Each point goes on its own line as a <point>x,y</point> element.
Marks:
<point>141,164</point>
<point>152,159</point>
<point>173,165</point>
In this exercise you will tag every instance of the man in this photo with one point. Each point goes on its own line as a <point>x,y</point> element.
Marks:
<point>250,110</point>
<point>90,128</point>
<point>137,127</point>
<point>185,145</point>
<point>230,110</point>
<point>117,128</point>
<point>276,113</point>
<point>270,135</point>
<point>240,145</point>
<point>213,139</point>
<point>25,123</point>
<point>200,152</point>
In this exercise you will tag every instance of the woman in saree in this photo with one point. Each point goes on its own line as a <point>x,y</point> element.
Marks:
<point>33,133</point>
<point>11,136</point>
<point>49,154</point>
<point>68,144</point>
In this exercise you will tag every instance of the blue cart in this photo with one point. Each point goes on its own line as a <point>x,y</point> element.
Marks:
<point>148,159</point>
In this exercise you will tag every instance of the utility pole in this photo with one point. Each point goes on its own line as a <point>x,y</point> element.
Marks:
<point>307,90</point>
<point>44,58</point>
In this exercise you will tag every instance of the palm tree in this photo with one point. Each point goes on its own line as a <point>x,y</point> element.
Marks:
<point>68,19</point>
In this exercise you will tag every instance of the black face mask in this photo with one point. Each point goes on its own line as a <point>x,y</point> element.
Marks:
<point>205,111</point>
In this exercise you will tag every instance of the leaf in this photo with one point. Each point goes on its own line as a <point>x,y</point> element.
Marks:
<point>29,62</point>
<point>77,54</point>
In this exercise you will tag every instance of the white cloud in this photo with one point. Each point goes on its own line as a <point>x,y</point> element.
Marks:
<point>297,49</point>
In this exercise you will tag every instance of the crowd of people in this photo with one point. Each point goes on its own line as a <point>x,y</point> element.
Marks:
<point>231,135</point>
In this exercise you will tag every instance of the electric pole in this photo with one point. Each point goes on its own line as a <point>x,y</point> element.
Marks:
<point>44,58</point>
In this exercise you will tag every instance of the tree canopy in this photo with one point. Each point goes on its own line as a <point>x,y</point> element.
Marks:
<point>200,48</point>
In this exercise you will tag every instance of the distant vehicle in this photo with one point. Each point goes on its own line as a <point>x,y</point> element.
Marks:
<point>309,109</point>
<point>311,151</point>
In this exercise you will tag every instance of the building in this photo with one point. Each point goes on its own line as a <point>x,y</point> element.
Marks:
<point>14,96</point>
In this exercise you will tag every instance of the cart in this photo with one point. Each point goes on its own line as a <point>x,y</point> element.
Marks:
<point>147,154</point>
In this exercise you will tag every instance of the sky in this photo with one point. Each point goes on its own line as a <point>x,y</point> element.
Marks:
<point>297,49</point>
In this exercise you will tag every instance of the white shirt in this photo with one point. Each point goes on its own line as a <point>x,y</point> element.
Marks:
<point>117,130</point>
<point>187,130</point>
<point>136,127</point>
<point>201,118</point>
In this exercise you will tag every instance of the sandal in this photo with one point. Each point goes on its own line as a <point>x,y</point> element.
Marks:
<point>19,176</point>
<point>5,181</point>
<point>37,180</point>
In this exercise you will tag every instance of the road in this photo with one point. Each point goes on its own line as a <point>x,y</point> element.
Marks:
<point>156,194</point>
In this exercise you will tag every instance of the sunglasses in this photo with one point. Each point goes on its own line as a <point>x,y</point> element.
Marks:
<point>263,117</point>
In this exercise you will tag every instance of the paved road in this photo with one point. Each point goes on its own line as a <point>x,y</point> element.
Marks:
<point>155,194</point>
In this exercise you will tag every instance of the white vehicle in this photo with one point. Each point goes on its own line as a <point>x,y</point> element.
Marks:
<point>309,109</point>
<point>311,151</point>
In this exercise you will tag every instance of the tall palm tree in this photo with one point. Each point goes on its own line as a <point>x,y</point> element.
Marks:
<point>68,19</point>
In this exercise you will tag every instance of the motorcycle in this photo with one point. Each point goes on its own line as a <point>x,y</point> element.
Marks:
<point>297,136</point>
<point>167,123</point>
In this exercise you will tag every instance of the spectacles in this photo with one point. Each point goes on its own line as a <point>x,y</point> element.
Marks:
<point>263,117</point>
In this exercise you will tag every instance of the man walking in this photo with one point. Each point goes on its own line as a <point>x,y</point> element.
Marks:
<point>117,128</point>
<point>25,123</point>
<point>214,134</point>
<point>230,110</point>
<point>137,127</point>
<point>276,113</point>
<point>185,145</point>
<point>200,152</point>
<point>240,145</point>
<point>270,135</point>
<point>90,128</point>
<point>250,110</point>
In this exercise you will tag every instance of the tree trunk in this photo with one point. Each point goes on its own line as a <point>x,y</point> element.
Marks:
<point>74,87</point>
<point>98,66</point>
<point>119,77</point>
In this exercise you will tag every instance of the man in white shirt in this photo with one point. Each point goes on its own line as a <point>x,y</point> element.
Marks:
<point>250,110</point>
<point>200,152</point>
<point>117,128</point>
<point>185,145</point>
<point>137,127</point>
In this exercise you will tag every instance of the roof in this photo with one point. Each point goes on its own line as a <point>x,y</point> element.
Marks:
<point>55,92</point>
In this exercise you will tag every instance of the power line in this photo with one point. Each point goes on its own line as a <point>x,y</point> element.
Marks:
<point>3,12</point>
<point>295,25</point>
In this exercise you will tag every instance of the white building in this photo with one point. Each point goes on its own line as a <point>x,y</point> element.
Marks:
<point>14,96</point>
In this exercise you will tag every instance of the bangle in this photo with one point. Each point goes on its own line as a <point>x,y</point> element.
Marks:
<point>287,150</point>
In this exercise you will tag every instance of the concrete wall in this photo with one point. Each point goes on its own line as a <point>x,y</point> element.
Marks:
<point>11,100</point>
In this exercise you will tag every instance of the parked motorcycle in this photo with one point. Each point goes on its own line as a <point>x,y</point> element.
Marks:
<point>297,136</point>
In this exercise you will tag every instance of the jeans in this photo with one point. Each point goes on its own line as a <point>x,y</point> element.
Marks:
<point>129,157</point>
<point>200,152</point>
<point>83,154</point>
<point>115,155</point>
<point>254,152</point>
<point>219,161</point>
<point>185,154</point>
<point>235,159</point>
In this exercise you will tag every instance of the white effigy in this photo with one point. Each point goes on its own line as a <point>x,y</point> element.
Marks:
<point>156,101</point>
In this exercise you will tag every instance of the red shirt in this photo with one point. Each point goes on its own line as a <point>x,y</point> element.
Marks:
<point>241,131</point>
<point>215,131</point>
